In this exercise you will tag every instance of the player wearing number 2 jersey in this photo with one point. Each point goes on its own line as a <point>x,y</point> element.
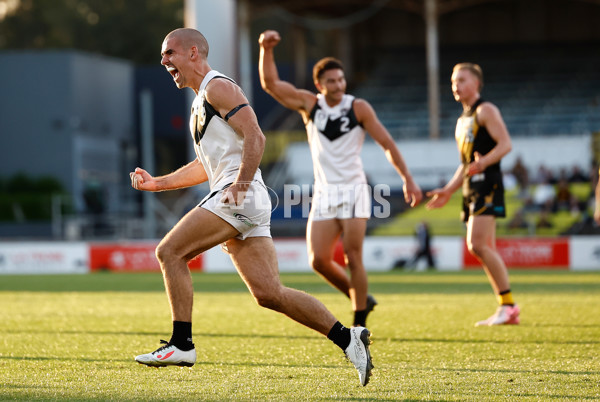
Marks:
<point>336,138</point>
<point>336,124</point>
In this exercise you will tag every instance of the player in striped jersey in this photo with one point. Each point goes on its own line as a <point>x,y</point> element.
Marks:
<point>482,140</point>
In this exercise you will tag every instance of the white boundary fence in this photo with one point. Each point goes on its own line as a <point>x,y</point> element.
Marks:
<point>581,253</point>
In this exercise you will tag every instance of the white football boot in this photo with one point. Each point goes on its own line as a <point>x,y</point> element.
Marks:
<point>168,355</point>
<point>504,315</point>
<point>358,353</point>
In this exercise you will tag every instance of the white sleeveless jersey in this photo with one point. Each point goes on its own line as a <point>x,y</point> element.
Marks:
<point>217,145</point>
<point>335,138</point>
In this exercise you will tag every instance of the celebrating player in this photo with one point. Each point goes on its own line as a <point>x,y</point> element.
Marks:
<point>336,124</point>
<point>229,145</point>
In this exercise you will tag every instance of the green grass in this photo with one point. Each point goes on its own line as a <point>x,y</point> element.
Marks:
<point>74,337</point>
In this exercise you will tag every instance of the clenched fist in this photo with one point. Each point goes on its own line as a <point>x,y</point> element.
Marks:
<point>269,39</point>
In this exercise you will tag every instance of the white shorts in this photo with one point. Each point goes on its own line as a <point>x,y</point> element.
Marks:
<point>341,201</point>
<point>251,219</point>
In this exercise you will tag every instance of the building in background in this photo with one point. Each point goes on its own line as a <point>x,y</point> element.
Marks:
<point>76,115</point>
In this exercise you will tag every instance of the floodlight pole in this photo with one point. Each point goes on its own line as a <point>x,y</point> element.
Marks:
<point>244,54</point>
<point>147,131</point>
<point>433,68</point>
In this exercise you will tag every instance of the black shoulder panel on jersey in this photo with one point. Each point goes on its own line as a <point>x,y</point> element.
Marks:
<point>340,126</point>
<point>311,116</point>
<point>210,113</point>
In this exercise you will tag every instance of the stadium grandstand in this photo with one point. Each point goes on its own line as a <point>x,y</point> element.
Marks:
<point>540,60</point>
<point>541,67</point>
<point>541,89</point>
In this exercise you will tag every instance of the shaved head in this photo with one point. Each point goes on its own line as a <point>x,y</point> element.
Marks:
<point>189,38</point>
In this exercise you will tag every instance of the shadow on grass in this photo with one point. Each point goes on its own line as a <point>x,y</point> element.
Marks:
<point>61,359</point>
<point>379,282</point>
<point>506,396</point>
<point>131,360</point>
<point>200,335</point>
<point>494,341</point>
<point>162,334</point>
<point>477,370</point>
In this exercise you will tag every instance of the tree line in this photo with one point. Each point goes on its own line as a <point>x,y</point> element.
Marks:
<point>127,29</point>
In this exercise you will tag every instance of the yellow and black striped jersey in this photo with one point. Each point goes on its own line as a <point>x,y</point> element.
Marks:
<point>471,137</point>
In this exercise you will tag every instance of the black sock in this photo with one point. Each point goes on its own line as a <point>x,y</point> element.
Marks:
<point>360,318</point>
<point>182,335</point>
<point>340,335</point>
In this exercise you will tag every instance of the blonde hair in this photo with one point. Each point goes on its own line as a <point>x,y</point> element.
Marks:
<point>473,68</point>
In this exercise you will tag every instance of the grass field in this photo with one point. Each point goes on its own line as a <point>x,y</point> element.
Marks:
<point>74,337</point>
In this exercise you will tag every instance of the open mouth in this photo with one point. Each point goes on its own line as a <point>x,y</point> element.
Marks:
<point>174,72</point>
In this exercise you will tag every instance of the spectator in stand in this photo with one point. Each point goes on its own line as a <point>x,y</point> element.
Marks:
<point>597,195</point>
<point>562,175</point>
<point>544,195</point>
<point>520,172</point>
<point>543,220</point>
<point>509,180</point>
<point>544,175</point>
<point>577,176</point>
<point>518,221</point>
<point>565,200</point>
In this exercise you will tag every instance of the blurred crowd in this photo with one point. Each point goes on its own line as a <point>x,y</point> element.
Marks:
<point>545,192</point>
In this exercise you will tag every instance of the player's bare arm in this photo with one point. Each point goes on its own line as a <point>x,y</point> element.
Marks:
<point>186,176</point>
<point>440,196</point>
<point>225,96</point>
<point>489,117</point>
<point>285,93</point>
<point>368,118</point>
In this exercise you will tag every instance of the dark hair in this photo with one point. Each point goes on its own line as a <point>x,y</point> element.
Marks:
<point>473,68</point>
<point>326,63</point>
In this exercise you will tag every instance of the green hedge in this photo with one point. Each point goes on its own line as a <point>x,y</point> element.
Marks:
<point>25,198</point>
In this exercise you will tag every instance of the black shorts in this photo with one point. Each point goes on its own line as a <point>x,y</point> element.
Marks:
<point>483,194</point>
